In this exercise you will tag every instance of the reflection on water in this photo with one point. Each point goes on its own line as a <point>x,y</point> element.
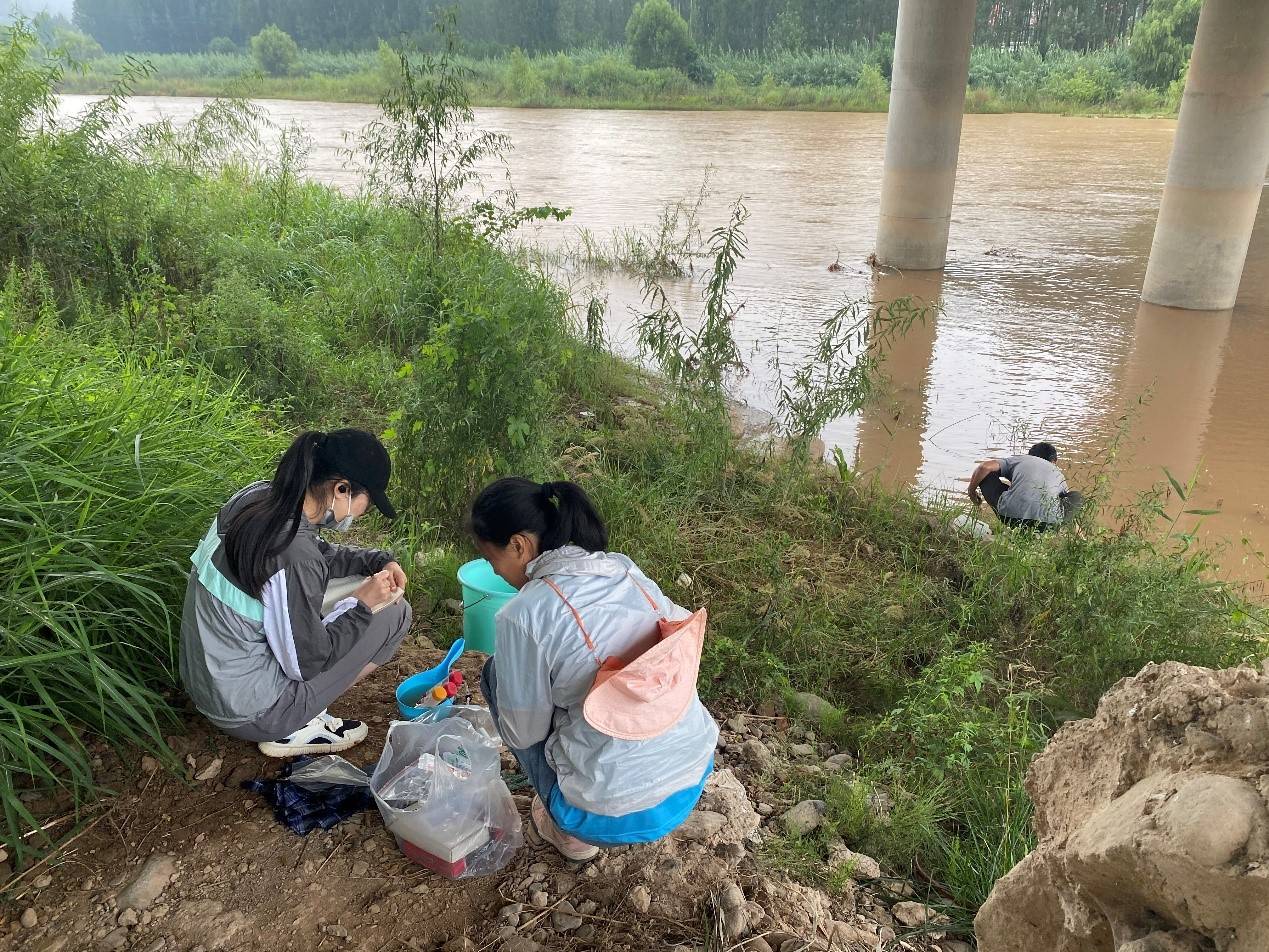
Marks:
<point>1041,336</point>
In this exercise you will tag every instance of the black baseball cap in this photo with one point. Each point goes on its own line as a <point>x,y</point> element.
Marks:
<point>360,457</point>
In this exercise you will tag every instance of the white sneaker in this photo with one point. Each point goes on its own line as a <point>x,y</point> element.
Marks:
<point>570,847</point>
<point>324,734</point>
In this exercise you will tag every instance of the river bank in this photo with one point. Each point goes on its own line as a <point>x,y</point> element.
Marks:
<point>170,317</point>
<point>1097,83</point>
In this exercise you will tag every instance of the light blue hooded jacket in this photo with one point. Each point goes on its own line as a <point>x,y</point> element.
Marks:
<point>545,671</point>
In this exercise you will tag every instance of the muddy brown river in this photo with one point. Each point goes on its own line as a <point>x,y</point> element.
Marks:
<point>1041,333</point>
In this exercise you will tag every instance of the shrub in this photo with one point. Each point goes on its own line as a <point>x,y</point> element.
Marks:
<point>1162,40</point>
<point>659,37</point>
<point>274,51</point>
<point>222,46</point>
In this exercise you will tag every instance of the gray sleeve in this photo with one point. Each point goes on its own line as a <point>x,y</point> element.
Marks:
<point>345,560</point>
<point>525,697</point>
<point>1006,466</point>
<point>319,643</point>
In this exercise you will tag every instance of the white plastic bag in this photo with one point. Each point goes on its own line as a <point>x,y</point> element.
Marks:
<point>439,788</point>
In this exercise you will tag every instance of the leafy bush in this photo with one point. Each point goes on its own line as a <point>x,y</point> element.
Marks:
<point>659,38</point>
<point>1162,40</point>
<point>462,421</point>
<point>275,52</point>
<point>222,46</point>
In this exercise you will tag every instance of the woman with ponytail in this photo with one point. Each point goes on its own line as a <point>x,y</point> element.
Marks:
<point>266,642</point>
<point>578,603</point>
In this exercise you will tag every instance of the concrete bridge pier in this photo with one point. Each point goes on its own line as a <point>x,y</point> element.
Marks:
<point>923,131</point>
<point>1217,169</point>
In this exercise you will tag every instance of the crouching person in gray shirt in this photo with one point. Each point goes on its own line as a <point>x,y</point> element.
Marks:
<point>1026,491</point>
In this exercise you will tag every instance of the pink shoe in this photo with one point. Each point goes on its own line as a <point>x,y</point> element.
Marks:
<point>570,847</point>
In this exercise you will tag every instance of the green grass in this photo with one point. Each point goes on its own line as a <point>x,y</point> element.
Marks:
<point>168,320</point>
<point>844,80</point>
<point>107,460</point>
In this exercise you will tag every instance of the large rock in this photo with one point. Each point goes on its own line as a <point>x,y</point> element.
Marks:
<point>1153,824</point>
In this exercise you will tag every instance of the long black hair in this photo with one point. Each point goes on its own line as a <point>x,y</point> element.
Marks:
<point>557,513</point>
<point>266,525</point>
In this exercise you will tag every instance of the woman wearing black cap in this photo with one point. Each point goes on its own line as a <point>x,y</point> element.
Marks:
<point>264,650</point>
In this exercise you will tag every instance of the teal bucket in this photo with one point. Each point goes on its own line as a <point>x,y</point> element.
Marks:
<point>484,592</point>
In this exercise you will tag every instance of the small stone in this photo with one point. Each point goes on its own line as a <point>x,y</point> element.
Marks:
<point>861,866</point>
<point>700,825</point>
<point>539,900</point>
<point>114,939</point>
<point>765,809</point>
<point>565,918</point>
<point>54,944</point>
<point>735,910</point>
<point>149,883</point>
<point>640,899</point>
<point>804,817</point>
<point>755,751</point>
<point>802,750</point>
<point>813,705</point>
<point>420,889</point>
<point>461,944</point>
<point>586,931</point>
<point>4,855</point>
<point>511,914</point>
<point>794,945</point>
<point>738,724</point>
<point>839,762</point>
<point>43,881</point>
<point>912,914</point>
<point>848,936</point>
<point>29,919</point>
<point>148,764</point>
<point>375,909</point>
<point>731,852</point>
<point>128,918</point>
<point>756,944</point>
<point>520,943</point>
<point>896,613</point>
<point>539,869</point>
<point>360,868</point>
<point>956,945</point>
<point>454,605</point>
<point>887,935</point>
<point>587,907</point>
<point>211,771</point>
<point>336,931</point>
<point>684,580</point>
<point>505,932</point>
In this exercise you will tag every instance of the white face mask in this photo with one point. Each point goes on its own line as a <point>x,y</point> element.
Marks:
<point>339,525</point>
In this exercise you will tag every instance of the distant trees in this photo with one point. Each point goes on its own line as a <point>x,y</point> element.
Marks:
<point>1161,30</point>
<point>658,37</point>
<point>275,51</point>
<point>1161,43</point>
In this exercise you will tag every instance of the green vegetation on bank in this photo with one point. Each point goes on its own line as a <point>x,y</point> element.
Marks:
<point>170,315</point>
<point>853,80</point>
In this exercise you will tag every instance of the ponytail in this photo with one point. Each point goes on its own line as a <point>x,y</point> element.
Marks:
<point>266,525</point>
<point>558,514</point>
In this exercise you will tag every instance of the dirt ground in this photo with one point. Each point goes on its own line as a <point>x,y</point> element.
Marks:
<point>242,881</point>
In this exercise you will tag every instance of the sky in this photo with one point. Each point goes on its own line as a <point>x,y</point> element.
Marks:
<point>31,7</point>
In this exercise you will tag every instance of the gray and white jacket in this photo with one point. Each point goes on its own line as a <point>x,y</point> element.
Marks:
<point>545,671</point>
<point>238,652</point>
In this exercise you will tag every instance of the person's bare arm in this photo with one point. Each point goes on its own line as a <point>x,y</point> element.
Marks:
<point>985,469</point>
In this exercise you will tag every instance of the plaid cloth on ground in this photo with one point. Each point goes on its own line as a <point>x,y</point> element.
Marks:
<point>301,810</point>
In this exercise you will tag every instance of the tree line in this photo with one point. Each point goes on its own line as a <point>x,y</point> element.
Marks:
<point>183,26</point>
